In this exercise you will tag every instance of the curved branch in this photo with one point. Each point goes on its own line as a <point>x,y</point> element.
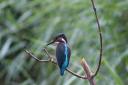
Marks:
<point>100,35</point>
<point>50,59</point>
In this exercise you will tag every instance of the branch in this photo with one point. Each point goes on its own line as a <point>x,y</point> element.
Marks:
<point>50,59</point>
<point>100,35</point>
<point>30,54</point>
<point>77,75</point>
<point>87,72</point>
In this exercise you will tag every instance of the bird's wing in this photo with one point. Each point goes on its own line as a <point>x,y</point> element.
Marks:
<point>62,53</point>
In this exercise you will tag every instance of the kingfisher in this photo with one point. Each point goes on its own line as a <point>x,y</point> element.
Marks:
<point>63,52</point>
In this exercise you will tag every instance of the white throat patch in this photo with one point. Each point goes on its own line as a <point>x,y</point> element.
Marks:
<point>63,40</point>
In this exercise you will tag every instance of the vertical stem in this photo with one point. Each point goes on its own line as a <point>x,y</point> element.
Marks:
<point>92,82</point>
<point>100,35</point>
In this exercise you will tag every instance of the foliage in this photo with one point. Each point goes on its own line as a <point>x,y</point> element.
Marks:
<point>30,24</point>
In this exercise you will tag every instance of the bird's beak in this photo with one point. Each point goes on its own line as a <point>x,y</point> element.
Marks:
<point>50,43</point>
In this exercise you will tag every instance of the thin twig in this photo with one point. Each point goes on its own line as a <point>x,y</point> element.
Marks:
<point>47,53</point>
<point>50,59</point>
<point>100,35</point>
<point>73,73</point>
<point>30,54</point>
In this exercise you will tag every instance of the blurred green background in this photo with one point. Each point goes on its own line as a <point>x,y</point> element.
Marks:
<point>30,24</point>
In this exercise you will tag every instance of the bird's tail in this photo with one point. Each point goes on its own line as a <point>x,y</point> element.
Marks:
<point>62,72</point>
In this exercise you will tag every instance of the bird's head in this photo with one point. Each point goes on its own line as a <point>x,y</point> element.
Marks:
<point>60,38</point>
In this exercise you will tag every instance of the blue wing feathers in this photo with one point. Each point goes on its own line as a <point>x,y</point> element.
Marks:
<point>63,56</point>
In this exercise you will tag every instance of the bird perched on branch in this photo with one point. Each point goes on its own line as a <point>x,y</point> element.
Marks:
<point>63,51</point>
